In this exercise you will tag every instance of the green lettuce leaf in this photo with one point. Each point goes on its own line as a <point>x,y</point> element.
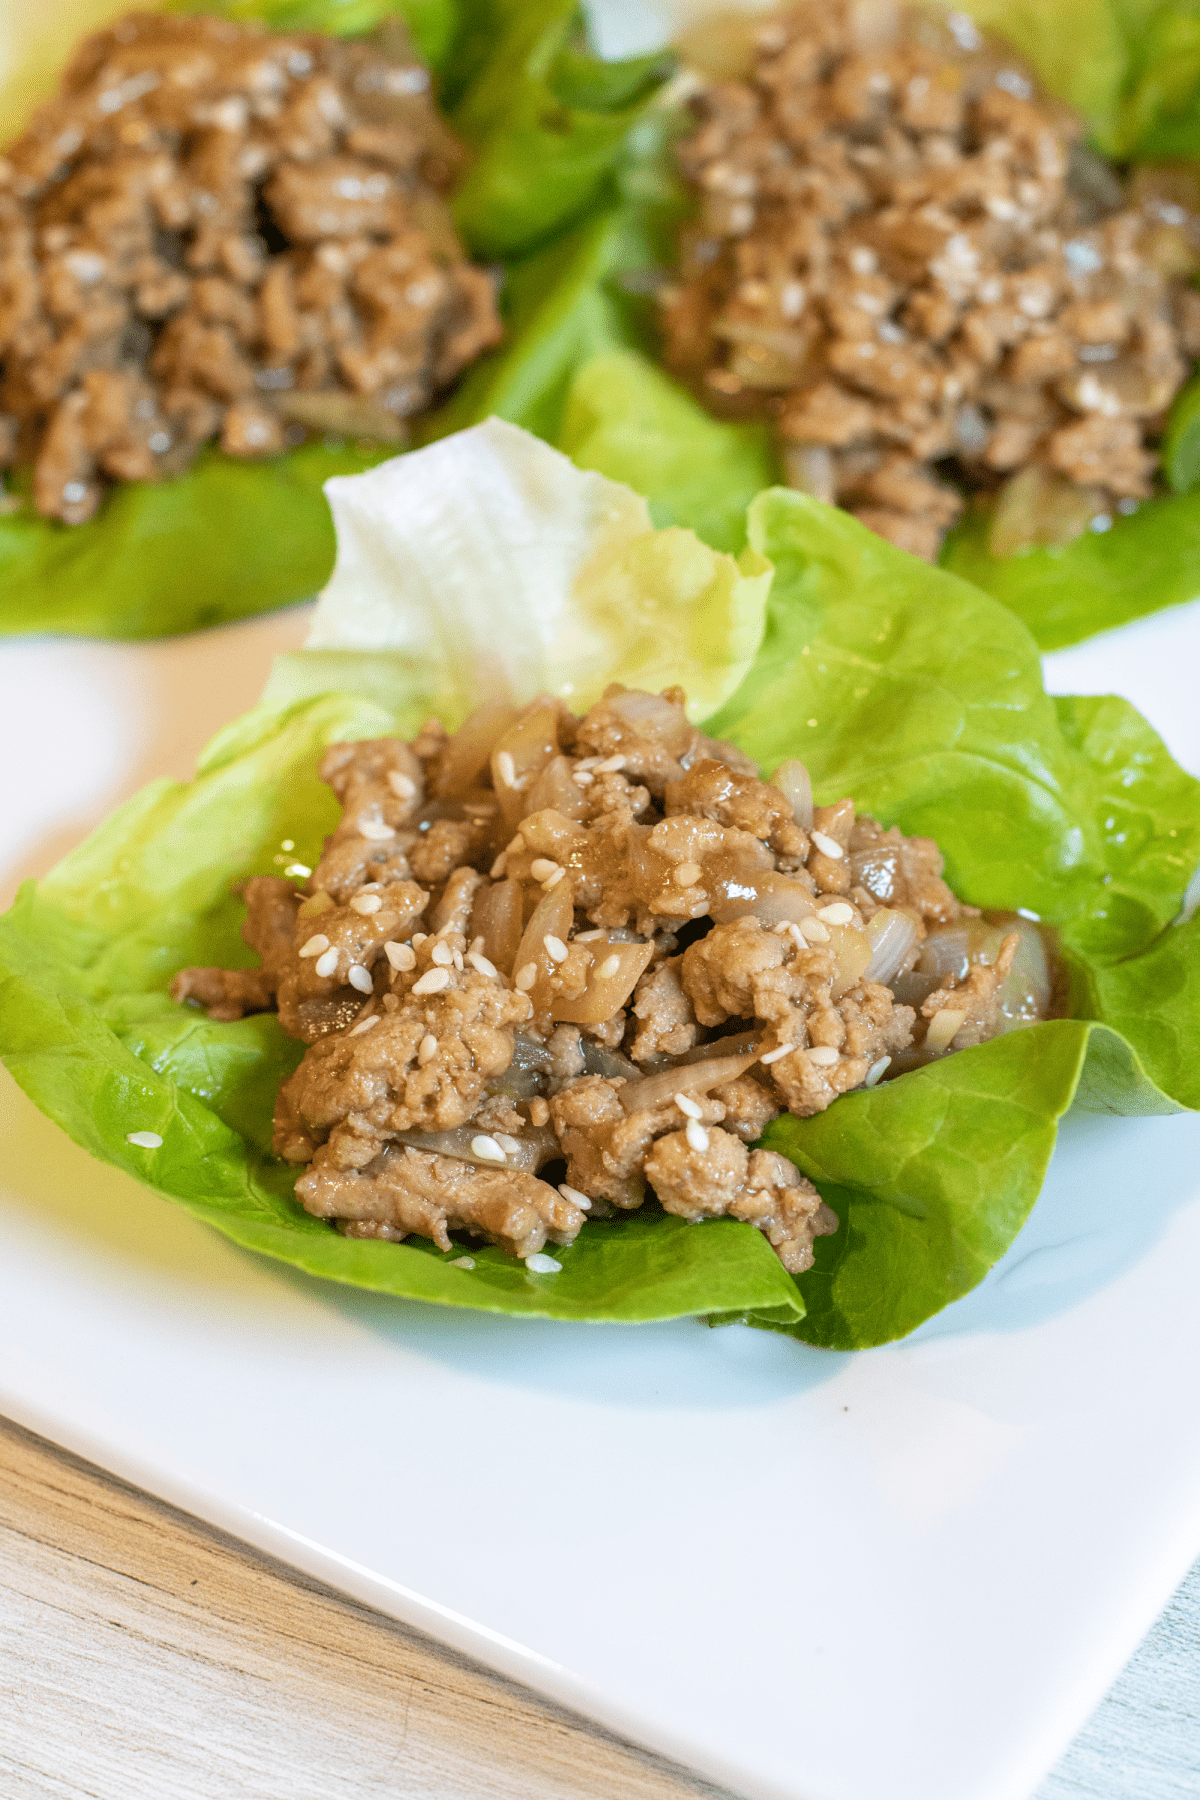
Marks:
<point>1148,561</point>
<point>545,120</point>
<point>591,593</point>
<point>579,365</point>
<point>1130,68</point>
<point>224,541</point>
<point>899,684</point>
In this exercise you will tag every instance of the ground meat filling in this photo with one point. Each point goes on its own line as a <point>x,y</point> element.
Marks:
<point>213,232</point>
<point>903,254</point>
<point>551,966</point>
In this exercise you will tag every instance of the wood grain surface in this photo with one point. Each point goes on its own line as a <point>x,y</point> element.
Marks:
<point>144,1656</point>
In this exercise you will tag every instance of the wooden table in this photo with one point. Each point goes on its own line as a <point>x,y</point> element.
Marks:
<point>144,1656</point>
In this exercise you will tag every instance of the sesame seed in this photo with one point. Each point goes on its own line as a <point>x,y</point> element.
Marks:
<point>325,965</point>
<point>542,1264</point>
<point>477,943</point>
<point>878,1070</point>
<point>828,846</point>
<point>686,874</point>
<point>837,914</point>
<point>525,977</point>
<point>366,903</point>
<point>687,1107</point>
<point>403,786</point>
<point>487,1148</point>
<point>797,936</point>
<point>824,1055</point>
<point>696,1136</point>
<point>589,937</point>
<point>462,1262</point>
<point>608,967</point>
<point>427,1049</point>
<point>458,961</point>
<point>610,765</point>
<point>365,1025</point>
<point>374,830</point>
<point>539,1113</point>
<point>506,768</point>
<point>360,978</point>
<point>477,961</point>
<point>446,929</point>
<point>300,870</point>
<point>400,956</point>
<point>541,868</point>
<point>574,1196</point>
<point>442,955</point>
<point>418,938</point>
<point>499,866</point>
<point>556,950</point>
<point>553,880</point>
<point>432,982</point>
<point>773,1056</point>
<point>586,762</point>
<point>583,778</point>
<point>814,931</point>
<point>144,1140</point>
<point>315,944</point>
<point>509,1145</point>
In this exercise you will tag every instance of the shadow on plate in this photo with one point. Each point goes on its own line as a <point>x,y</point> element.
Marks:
<point>1111,1192</point>
<point>162,1255</point>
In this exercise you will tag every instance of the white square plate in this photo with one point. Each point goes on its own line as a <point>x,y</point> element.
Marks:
<point>906,1573</point>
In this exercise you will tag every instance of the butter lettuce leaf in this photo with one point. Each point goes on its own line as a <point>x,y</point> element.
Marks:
<point>591,593</point>
<point>545,121</point>
<point>1147,561</point>
<point>89,1033</point>
<point>899,684</point>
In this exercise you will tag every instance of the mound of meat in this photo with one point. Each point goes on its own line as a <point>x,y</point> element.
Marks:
<point>602,944</point>
<point>213,232</point>
<point>904,256</point>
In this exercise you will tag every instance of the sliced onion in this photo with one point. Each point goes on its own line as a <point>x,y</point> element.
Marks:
<point>496,918</point>
<point>1024,995</point>
<point>553,916</point>
<point>555,790</point>
<point>535,1146</point>
<point>893,937</point>
<point>653,717</point>
<point>736,1045</point>
<point>598,1060</point>
<point>466,755</point>
<point>852,957</point>
<point>689,1078</point>
<point>793,781</point>
<point>736,888</point>
<point>530,742</point>
<point>605,996</point>
<point>457,1143</point>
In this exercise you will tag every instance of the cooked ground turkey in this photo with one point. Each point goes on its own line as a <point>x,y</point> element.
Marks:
<point>216,232</point>
<point>604,943</point>
<point>903,255</point>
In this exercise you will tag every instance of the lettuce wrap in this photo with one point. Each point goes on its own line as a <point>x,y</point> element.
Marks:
<point>898,684</point>
<point>544,120</point>
<point>581,366</point>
